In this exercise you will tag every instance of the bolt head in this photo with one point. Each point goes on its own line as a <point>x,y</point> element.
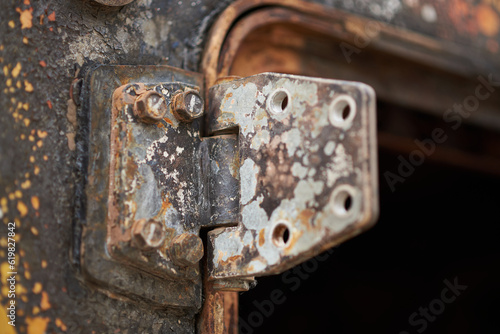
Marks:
<point>188,105</point>
<point>186,249</point>
<point>148,234</point>
<point>150,107</point>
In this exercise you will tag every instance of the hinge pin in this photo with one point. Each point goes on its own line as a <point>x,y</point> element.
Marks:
<point>186,249</point>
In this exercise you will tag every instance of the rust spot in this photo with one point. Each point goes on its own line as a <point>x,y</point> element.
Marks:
<point>52,16</point>
<point>488,20</point>
<point>42,63</point>
<point>305,217</point>
<point>164,206</point>
<point>231,260</point>
<point>262,238</point>
<point>49,104</point>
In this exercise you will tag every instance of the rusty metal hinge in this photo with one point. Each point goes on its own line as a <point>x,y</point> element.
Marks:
<point>280,168</point>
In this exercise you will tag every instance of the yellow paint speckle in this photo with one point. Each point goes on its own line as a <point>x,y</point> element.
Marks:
<point>22,208</point>
<point>26,175</point>
<point>4,271</point>
<point>18,84</point>
<point>31,138</point>
<point>41,134</point>
<point>26,106</point>
<point>37,325</point>
<point>25,40</point>
<point>23,136</point>
<point>26,122</point>
<point>26,184</point>
<point>18,193</point>
<point>28,86</point>
<point>5,328</point>
<point>44,264</point>
<point>3,205</point>
<point>37,288</point>
<point>22,252</point>
<point>32,159</point>
<point>12,90</point>
<point>36,310</point>
<point>27,274</point>
<point>45,304</point>
<point>35,202</point>
<point>12,24</point>
<point>5,291</point>
<point>16,70</point>
<point>12,196</point>
<point>26,18</point>
<point>5,70</point>
<point>8,82</point>
<point>24,298</point>
<point>61,325</point>
<point>34,230</point>
<point>45,158</point>
<point>36,171</point>
<point>39,143</point>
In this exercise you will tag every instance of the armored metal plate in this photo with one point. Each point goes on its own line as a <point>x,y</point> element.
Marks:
<point>308,169</point>
<point>133,173</point>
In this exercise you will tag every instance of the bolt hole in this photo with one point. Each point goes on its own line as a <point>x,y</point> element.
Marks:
<point>281,235</point>
<point>348,203</point>
<point>346,111</point>
<point>343,111</point>
<point>284,103</point>
<point>279,102</point>
<point>343,202</point>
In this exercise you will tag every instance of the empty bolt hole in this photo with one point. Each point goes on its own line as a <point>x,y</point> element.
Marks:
<point>343,202</point>
<point>343,111</point>
<point>279,101</point>
<point>346,111</point>
<point>281,235</point>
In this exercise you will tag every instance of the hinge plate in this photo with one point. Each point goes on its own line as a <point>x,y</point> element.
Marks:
<point>132,178</point>
<point>308,169</point>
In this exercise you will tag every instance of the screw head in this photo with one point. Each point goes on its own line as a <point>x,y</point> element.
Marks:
<point>188,105</point>
<point>186,249</point>
<point>150,107</point>
<point>148,234</point>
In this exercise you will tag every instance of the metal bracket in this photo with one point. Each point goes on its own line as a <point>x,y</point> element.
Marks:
<point>289,170</point>
<point>140,236</point>
<point>308,169</point>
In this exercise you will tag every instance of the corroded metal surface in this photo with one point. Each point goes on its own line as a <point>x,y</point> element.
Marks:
<point>307,164</point>
<point>134,176</point>
<point>114,2</point>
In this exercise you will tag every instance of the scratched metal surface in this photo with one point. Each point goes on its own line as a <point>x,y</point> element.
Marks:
<point>302,154</point>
